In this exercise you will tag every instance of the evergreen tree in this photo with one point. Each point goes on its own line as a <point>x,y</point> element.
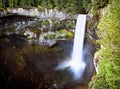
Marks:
<point>44,3</point>
<point>22,3</point>
<point>37,2</point>
<point>70,6</point>
<point>86,4</point>
<point>10,3</point>
<point>28,2</point>
<point>50,4</point>
<point>1,3</point>
<point>79,6</point>
<point>15,3</point>
<point>59,4</point>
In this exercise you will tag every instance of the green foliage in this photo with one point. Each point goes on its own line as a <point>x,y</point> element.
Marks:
<point>86,4</point>
<point>96,4</point>
<point>109,39</point>
<point>28,2</point>
<point>22,3</point>
<point>63,33</point>
<point>69,35</point>
<point>10,3</point>
<point>53,19</point>
<point>68,24</point>
<point>59,25</point>
<point>41,8</point>
<point>79,6</point>
<point>50,4</point>
<point>98,82</point>
<point>71,6</point>
<point>59,4</point>
<point>15,3</point>
<point>45,22</point>
<point>112,75</point>
<point>50,36</point>
<point>1,9</point>
<point>36,2</point>
<point>21,33</point>
<point>1,3</point>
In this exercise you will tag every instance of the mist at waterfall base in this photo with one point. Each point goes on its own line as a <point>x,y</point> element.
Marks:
<point>76,64</point>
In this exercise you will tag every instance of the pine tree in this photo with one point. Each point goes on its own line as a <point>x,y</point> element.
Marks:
<point>10,3</point>
<point>1,3</point>
<point>79,6</point>
<point>70,6</point>
<point>15,3</point>
<point>22,3</point>
<point>59,4</point>
<point>86,4</point>
<point>50,4</point>
<point>28,2</point>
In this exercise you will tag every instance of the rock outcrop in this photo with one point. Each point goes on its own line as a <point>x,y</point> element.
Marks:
<point>34,12</point>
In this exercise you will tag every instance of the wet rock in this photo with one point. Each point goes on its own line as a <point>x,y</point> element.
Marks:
<point>21,11</point>
<point>49,42</point>
<point>29,34</point>
<point>97,58</point>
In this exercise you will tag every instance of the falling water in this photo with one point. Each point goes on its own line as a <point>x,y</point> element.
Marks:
<point>77,64</point>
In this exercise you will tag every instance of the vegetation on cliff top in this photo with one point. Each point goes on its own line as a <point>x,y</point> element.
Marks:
<point>108,76</point>
<point>72,6</point>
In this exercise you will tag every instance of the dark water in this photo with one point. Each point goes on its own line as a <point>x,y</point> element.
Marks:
<point>26,65</point>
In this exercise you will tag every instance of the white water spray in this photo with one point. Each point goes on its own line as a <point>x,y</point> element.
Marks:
<point>76,64</point>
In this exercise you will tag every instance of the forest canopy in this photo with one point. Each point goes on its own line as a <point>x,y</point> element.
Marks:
<point>76,6</point>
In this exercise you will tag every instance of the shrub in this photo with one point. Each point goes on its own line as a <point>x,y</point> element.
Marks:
<point>41,8</point>
<point>45,22</point>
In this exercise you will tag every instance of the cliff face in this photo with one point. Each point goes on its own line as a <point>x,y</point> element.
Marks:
<point>34,12</point>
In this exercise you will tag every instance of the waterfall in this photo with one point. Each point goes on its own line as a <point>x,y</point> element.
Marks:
<point>77,64</point>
